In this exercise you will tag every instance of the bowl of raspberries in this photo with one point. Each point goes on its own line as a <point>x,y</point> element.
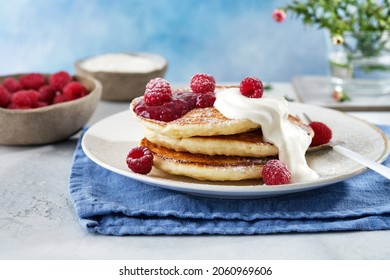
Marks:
<point>38,108</point>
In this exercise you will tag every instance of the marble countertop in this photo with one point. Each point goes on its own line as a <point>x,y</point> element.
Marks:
<point>38,221</point>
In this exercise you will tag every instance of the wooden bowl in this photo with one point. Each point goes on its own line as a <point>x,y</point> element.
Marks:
<point>124,86</point>
<point>51,123</point>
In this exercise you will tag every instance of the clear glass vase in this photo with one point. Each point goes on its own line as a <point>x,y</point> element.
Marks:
<point>361,64</point>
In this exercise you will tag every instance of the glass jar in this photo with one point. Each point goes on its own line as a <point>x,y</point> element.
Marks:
<point>360,65</point>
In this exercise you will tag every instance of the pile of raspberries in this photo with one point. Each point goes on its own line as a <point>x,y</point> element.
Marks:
<point>34,90</point>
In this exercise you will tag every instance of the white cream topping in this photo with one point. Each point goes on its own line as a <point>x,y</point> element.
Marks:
<point>271,113</point>
<point>122,63</point>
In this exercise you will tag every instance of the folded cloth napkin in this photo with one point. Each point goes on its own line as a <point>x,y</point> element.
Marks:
<point>108,203</point>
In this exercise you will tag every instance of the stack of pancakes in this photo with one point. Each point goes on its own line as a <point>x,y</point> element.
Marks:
<point>205,145</point>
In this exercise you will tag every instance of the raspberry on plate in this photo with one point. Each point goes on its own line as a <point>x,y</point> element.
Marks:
<point>251,87</point>
<point>140,160</point>
<point>276,172</point>
<point>202,83</point>
<point>59,80</point>
<point>12,85</point>
<point>74,90</point>
<point>158,91</point>
<point>322,134</point>
<point>5,97</point>
<point>32,81</point>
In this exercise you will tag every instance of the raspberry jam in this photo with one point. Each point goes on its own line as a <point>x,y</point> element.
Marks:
<point>180,104</point>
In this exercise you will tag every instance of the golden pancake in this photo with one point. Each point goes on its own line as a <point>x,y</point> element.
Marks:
<point>247,144</point>
<point>204,167</point>
<point>197,122</point>
<point>205,145</point>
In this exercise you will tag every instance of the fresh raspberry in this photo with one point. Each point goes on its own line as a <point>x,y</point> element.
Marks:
<point>25,98</point>
<point>140,160</point>
<point>74,90</point>
<point>251,87</point>
<point>205,100</point>
<point>59,80</point>
<point>40,104</point>
<point>12,85</point>
<point>32,81</point>
<point>5,97</point>
<point>276,172</point>
<point>14,106</point>
<point>60,98</point>
<point>158,91</point>
<point>202,83</point>
<point>322,133</point>
<point>46,94</point>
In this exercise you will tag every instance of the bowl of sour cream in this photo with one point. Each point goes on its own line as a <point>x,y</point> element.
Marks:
<point>123,75</point>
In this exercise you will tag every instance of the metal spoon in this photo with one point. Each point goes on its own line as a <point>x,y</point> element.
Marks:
<point>377,167</point>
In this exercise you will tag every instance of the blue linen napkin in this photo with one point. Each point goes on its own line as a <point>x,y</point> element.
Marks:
<point>111,204</point>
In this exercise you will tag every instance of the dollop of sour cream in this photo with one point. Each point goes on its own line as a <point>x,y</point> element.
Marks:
<point>271,113</point>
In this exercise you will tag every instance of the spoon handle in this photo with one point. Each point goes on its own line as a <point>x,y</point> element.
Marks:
<point>379,168</point>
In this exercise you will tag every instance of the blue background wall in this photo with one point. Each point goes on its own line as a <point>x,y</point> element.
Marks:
<point>227,38</point>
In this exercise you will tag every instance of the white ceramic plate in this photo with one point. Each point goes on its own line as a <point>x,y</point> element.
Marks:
<point>108,142</point>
